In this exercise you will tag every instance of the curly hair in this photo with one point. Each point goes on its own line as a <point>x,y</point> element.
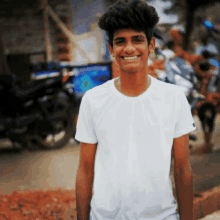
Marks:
<point>129,14</point>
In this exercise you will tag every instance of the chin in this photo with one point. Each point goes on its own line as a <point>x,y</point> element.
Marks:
<point>132,70</point>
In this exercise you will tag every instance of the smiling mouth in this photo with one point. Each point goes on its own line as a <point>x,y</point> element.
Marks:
<point>130,58</point>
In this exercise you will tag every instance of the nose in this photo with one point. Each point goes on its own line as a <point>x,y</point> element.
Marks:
<point>129,48</point>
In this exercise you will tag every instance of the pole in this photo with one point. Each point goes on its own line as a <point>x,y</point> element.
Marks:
<point>48,47</point>
<point>67,32</point>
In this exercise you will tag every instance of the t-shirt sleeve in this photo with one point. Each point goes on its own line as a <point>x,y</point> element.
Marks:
<point>184,119</point>
<point>85,129</point>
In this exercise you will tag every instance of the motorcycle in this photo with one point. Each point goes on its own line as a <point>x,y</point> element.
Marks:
<point>210,85</point>
<point>41,113</point>
<point>213,81</point>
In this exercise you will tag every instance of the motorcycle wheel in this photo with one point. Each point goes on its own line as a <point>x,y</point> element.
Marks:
<point>62,130</point>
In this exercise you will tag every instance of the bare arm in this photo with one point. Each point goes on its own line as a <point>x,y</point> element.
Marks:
<point>183,177</point>
<point>84,180</point>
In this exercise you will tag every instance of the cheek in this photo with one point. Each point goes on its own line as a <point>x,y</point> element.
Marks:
<point>117,52</point>
<point>144,49</point>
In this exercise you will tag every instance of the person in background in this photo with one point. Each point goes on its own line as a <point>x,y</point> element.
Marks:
<point>176,34</point>
<point>206,45</point>
<point>168,50</point>
<point>128,128</point>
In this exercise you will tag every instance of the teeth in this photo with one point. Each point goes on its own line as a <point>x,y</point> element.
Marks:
<point>130,58</point>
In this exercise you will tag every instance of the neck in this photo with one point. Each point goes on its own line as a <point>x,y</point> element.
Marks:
<point>133,84</point>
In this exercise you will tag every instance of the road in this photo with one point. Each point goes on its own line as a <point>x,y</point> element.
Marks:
<point>57,168</point>
<point>39,169</point>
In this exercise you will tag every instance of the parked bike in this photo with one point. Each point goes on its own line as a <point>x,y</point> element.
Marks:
<point>40,113</point>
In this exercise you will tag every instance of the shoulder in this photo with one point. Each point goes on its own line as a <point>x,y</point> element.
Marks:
<point>168,93</point>
<point>97,92</point>
<point>165,87</point>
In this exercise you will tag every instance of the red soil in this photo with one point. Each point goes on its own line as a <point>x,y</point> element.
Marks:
<point>36,204</point>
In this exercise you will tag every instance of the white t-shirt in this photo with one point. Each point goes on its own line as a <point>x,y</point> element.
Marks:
<point>133,157</point>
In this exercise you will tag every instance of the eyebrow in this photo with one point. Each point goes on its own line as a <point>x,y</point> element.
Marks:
<point>122,38</point>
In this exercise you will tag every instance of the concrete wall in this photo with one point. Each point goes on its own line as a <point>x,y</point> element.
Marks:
<point>23,36</point>
<point>87,32</point>
<point>84,14</point>
<point>26,35</point>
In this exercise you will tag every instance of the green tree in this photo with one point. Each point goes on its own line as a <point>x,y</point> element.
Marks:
<point>186,9</point>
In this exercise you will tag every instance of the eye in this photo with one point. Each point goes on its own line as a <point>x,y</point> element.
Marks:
<point>138,40</point>
<point>119,42</point>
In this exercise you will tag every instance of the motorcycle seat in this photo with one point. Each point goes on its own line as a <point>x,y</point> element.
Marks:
<point>32,87</point>
<point>23,92</point>
<point>7,81</point>
<point>33,83</point>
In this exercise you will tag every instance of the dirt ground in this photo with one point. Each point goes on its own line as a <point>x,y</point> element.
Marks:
<point>40,185</point>
<point>205,167</point>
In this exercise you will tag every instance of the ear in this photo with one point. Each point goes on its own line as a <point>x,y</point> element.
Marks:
<point>151,45</point>
<point>110,49</point>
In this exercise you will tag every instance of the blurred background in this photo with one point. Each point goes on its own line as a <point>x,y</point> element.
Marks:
<point>52,52</point>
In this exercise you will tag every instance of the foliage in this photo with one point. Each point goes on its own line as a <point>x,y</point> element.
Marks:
<point>186,10</point>
<point>179,5</point>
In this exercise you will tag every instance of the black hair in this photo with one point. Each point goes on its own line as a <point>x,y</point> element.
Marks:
<point>129,14</point>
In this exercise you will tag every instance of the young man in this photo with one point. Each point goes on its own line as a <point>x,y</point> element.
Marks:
<point>126,128</point>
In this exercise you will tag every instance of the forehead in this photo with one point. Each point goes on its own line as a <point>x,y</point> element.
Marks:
<point>126,33</point>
